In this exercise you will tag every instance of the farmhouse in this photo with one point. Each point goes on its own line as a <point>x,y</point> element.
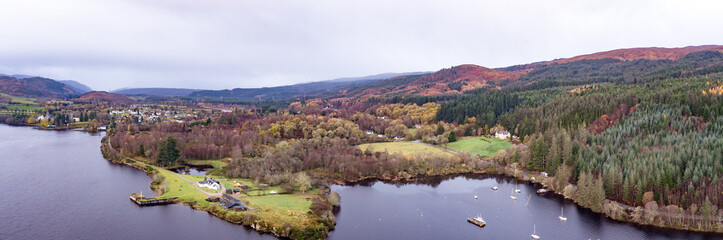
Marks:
<point>502,134</point>
<point>209,183</point>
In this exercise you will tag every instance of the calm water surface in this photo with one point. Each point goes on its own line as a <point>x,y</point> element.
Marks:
<point>56,185</point>
<point>437,208</point>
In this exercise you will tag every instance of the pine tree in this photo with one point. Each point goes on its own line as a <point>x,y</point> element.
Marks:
<point>452,137</point>
<point>167,152</point>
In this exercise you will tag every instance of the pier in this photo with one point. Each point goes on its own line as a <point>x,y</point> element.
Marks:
<point>143,201</point>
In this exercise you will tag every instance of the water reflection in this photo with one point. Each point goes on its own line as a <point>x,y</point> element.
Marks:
<point>437,208</point>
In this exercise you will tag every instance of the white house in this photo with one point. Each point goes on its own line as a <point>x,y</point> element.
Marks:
<point>502,134</point>
<point>209,183</point>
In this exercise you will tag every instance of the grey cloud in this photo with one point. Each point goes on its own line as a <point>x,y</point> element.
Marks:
<point>226,44</point>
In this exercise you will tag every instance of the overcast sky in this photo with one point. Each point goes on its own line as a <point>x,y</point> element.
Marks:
<point>217,44</point>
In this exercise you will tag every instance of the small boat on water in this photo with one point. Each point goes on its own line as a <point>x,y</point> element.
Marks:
<point>517,190</point>
<point>477,221</point>
<point>541,191</point>
<point>513,197</point>
<point>475,196</point>
<point>534,235</point>
<point>562,215</point>
<point>494,188</point>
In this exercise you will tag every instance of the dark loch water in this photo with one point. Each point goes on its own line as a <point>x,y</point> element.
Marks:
<point>56,185</point>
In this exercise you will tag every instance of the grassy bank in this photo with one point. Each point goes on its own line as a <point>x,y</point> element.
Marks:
<point>483,146</point>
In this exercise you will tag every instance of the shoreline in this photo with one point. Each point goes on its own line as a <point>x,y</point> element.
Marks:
<point>498,170</point>
<point>505,172</point>
<point>626,208</point>
<point>249,221</point>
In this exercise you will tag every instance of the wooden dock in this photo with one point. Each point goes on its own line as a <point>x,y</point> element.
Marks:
<point>142,201</point>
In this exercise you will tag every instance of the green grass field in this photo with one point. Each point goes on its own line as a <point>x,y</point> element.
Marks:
<point>20,100</point>
<point>27,108</point>
<point>177,187</point>
<point>479,145</point>
<point>215,163</point>
<point>490,150</point>
<point>273,209</point>
<point>405,148</point>
<point>468,144</point>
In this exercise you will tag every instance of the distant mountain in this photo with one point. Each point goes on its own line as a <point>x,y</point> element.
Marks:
<point>446,81</point>
<point>163,92</point>
<point>34,87</point>
<point>78,87</point>
<point>18,76</point>
<point>298,90</point>
<point>376,76</point>
<point>101,96</point>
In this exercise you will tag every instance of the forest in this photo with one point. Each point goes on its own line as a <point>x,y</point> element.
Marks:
<point>665,142</point>
<point>646,133</point>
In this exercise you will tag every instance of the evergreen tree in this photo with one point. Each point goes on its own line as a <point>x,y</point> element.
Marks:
<point>167,152</point>
<point>452,137</point>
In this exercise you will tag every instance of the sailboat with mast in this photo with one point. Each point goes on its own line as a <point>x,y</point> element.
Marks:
<point>534,235</point>
<point>562,214</point>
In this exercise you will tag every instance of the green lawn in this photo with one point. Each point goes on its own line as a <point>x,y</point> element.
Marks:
<point>215,163</point>
<point>405,148</point>
<point>27,108</point>
<point>492,148</point>
<point>272,209</point>
<point>479,145</point>
<point>468,144</point>
<point>282,202</point>
<point>177,187</point>
<point>20,100</point>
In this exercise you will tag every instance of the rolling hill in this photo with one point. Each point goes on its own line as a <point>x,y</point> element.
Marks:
<point>34,87</point>
<point>163,92</point>
<point>77,87</point>
<point>101,96</point>
<point>311,89</point>
<point>625,54</point>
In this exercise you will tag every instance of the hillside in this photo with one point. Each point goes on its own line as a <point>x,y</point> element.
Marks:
<point>452,80</point>
<point>653,53</point>
<point>100,96</point>
<point>297,90</point>
<point>163,92</point>
<point>77,87</point>
<point>625,54</point>
<point>34,87</point>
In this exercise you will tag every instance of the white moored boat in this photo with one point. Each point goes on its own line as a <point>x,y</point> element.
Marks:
<point>562,215</point>
<point>478,220</point>
<point>534,235</point>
